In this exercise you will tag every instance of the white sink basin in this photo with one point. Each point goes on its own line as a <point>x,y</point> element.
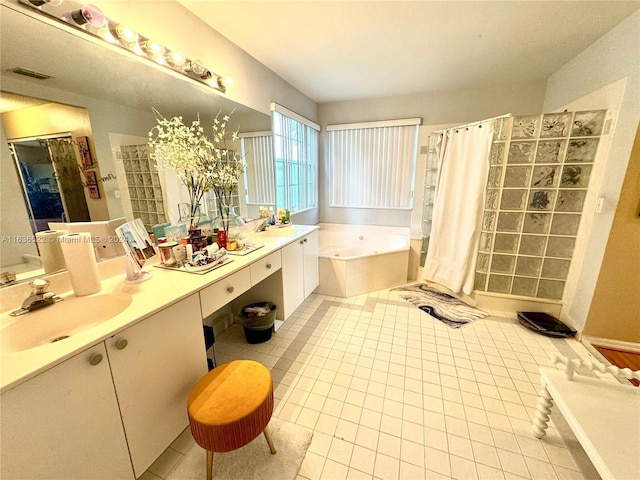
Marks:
<point>60,320</point>
<point>278,231</point>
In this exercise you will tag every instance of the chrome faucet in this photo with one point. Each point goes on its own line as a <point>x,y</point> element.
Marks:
<point>263,226</point>
<point>39,297</point>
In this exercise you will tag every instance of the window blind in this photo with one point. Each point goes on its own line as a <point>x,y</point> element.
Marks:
<point>379,157</point>
<point>257,151</point>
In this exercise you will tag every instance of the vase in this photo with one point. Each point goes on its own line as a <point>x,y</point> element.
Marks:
<point>230,221</point>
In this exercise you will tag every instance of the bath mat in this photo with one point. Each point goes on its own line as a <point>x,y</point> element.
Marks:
<point>253,461</point>
<point>442,306</point>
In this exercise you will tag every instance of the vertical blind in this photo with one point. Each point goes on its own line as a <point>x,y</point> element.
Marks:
<point>257,151</point>
<point>378,157</point>
<point>295,147</point>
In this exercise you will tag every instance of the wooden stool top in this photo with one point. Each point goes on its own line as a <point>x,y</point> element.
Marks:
<point>230,393</point>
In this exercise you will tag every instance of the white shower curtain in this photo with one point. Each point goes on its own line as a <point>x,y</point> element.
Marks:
<point>458,207</point>
<point>173,193</point>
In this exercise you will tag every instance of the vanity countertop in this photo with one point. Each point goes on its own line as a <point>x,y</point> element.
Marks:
<point>164,288</point>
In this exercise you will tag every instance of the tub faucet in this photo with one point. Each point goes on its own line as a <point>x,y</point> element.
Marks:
<point>39,297</point>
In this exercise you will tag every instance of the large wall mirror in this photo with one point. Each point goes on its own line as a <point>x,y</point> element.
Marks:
<point>93,94</point>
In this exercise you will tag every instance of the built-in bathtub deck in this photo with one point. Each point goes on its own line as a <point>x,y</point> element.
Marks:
<point>356,259</point>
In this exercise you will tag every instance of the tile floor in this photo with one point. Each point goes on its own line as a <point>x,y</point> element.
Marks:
<point>391,393</point>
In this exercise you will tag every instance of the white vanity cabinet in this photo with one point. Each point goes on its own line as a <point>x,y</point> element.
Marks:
<point>155,363</point>
<point>65,423</point>
<point>299,271</point>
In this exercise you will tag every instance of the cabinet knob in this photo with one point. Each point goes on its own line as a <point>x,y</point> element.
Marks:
<point>122,343</point>
<point>301,242</point>
<point>268,266</point>
<point>230,289</point>
<point>305,240</point>
<point>95,359</point>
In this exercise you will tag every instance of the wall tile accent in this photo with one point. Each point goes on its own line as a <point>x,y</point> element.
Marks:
<point>505,243</point>
<point>565,224</point>
<point>540,171</point>
<point>143,184</point>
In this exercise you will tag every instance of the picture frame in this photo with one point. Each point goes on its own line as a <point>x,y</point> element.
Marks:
<point>85,151</point>
<point>94,192</point>
<point>90,175</point>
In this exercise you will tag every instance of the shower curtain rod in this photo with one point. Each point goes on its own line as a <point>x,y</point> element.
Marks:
<point>473,124</point>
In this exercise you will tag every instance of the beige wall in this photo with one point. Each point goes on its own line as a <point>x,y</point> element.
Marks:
<point>254,85</point>
<point>612,58</point>
<point>12,207</point>
<point>615,309</point>
<point>52,119</point>
<point>435,108</point>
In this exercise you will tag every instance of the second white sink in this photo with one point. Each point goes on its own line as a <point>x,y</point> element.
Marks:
<point>61,320</point>
<point>278,231</point>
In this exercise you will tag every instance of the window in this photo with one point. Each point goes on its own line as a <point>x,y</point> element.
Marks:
<point>295,146</point>
<point>380,157</point>
<point>257,151</point>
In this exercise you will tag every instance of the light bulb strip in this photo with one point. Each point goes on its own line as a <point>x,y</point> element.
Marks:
<point>110,31</point>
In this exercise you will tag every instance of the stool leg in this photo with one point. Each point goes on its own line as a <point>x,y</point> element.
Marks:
<point>209,465</point>
<point>269,441</point>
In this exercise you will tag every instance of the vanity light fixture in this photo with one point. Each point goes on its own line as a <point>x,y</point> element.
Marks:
<point>175,58</point>
<point>92,21</point>
<point>152,48</point>
<point>125,33</point>
<point>195,66</point>
<point>88,14</point>
<point>39,3</point>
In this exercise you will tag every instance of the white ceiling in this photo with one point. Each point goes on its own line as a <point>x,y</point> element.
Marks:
<point>339,50</point>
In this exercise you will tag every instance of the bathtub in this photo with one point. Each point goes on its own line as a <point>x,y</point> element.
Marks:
<point>356,259</point>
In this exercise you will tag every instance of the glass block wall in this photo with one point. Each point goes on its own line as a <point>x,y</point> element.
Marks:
<point>430,178</point>
<point>536,188</point>
<point>143,184</point>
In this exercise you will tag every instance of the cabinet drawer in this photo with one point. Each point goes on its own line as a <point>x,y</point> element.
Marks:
<point>222,292</point>
<point>265,267</point>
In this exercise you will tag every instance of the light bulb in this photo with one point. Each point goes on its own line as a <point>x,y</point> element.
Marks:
<point>152,48</point>
<point>175,58</point>
<point>126,33</point>
<point>52,3</point>
<point>196,67</point>
<point>89,14</point>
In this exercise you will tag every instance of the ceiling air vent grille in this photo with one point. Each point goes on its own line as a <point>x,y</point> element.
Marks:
<point>30,73</point>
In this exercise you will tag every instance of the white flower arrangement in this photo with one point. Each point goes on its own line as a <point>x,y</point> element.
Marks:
<point>202,164</point>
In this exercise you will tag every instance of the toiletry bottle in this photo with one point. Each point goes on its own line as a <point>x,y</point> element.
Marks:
<point>272,216</point>
<point>222,239</point>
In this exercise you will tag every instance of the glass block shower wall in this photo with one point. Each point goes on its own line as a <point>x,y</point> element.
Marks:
<point>431,175</point>
<point>143,184</point>
<point>537,185</point>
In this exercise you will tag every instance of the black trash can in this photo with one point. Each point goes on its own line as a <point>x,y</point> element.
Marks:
<point>257,321</point>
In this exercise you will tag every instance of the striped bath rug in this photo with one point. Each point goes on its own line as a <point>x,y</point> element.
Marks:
<point>446,308</point>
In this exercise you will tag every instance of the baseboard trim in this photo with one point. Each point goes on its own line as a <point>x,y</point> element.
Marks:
<point>611,343</point>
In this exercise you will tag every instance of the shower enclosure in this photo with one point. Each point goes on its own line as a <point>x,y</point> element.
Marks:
<point>540,168</point>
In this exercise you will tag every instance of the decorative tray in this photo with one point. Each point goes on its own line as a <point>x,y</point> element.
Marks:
<point>248,248</point>
<point>198,270</point>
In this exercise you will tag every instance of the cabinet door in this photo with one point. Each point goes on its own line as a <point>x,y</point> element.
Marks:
<point>64,423</point>
<point>155,363</point>
<point>310,260</point>
<point>292,277</point>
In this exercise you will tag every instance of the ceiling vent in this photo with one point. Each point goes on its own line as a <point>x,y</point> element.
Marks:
<point>30,73</point>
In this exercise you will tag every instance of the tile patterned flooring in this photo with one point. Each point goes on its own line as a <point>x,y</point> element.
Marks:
<point>391,393</point>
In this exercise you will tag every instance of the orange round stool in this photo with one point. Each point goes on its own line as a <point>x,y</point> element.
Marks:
<point>230,406</point>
